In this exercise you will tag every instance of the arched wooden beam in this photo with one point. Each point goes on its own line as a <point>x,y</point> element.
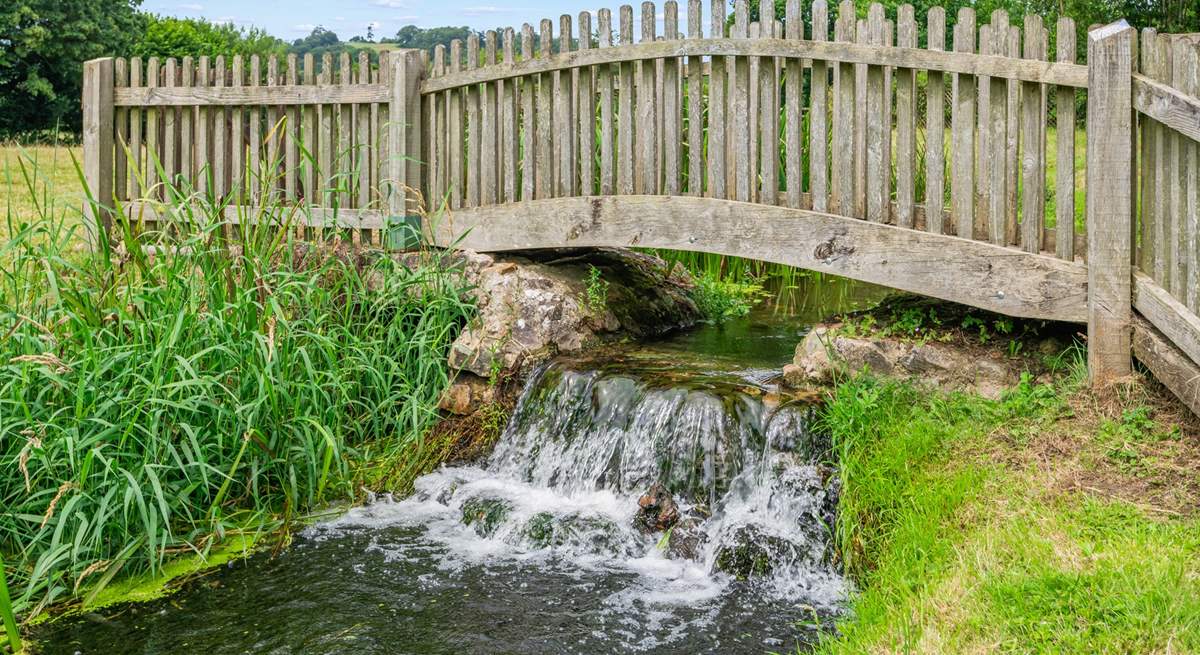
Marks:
<point>1002,280</point>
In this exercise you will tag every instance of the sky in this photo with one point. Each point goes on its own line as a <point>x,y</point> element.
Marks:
<point>292,19</point>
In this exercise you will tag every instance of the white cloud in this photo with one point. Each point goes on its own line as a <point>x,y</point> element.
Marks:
<point>339,18</point>
<point>486,10</point>
<point>191,7</point>
<point>304,27</point>
<point>391,4</point>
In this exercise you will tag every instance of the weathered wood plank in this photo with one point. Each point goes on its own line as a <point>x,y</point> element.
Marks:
<point>1033,156</point>
<point>1064,171</point>
<point>695,104</point>
<point>740,117</point>
<point>1176,178</point>
<point>344,117</point>
<point>313,217</point>
<point>544,181</point>
<point>906,122</point>
<point>187,129</point>
<point>274,135</point>
<point>646,165</point>
<point>1166,313</point>
<point>962,138</point>
<point>604,83</point>
<point>768,113</point>
<point>979,274</point>
<point>1192,166</point>
<point>862,35</point>
<point>220,170</point>
<point>564,136</point>
<point>1162,199</point>
<point>121,138</point>
<point>455,137</point>
<point>718,146</point>
<point>291,150</point>
<point>528,120</point>
<point>996,173</point>
<point>1109,166</point>
<point>326,139</point>
<point>362,139</point>
<point>1175,370</point>
<point>1012,136</point>
<point>1171,107</point>
<point>842,53</point>
<point>247,96</point>
<point>844,109</point>
<point>877,167</point>
<point>489,128</point>
<point>98,146</point>
<point>254,128</point>
<point>474,156</point>
<point>137,165</point>
<point>404,148</point>
<point>935,128</point>
<point>818,114</point>
<point>1146,162</point>
<point>793,92</point>
<point>671,112</point>
<point>170,129</point>
<point>625,83</point>
<point>586,112</point>
<point>509,113</point>
<point>153,135</point>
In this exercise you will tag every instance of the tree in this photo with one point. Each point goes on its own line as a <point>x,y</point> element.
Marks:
<point>411,36</point>
<point>178,37</point>
<point>43,44</point>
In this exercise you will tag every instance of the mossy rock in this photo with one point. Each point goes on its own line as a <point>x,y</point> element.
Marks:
<point>751,553</point>
<point>485,514</point>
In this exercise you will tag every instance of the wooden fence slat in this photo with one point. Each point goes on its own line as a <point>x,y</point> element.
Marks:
<point>325,135</point>
<point>380,131</point>
<point>544,184</point>
<point>528,124</point>
<point>695,104</point>
<point>153,135</point>
<point>646,164</point>
<point>1163,260</point>
<point>818,115</point>
<point>1192,166</point>
<point>739,92</point>
<point>509,114</point>
<point>1012,135</point>
<point>275,131</point>
<point>586,112</point>
<point>203,144</point>
<point>187,156</point>
<point>671,114</point>
<point>170,130</point>
<point>625,137</point>
<point>962,138</point>
<point>564,98</point>
<point>1064,171</point>
<point>437,164</point>
<point>997,139</point>
<point>220,118</point>
<point>1110,190</point>
<point>768,113</point>
<point>1146,163</point>
<point>454,139</point>
<point>906,123</point>
<point>717,104</point>
<point>793,90</point>
<point>474,157</point>
<point>254,159</point>
<point>1177,178</point>
<point>404,133</point>
<point>308,137</point>
<point>137,165</point>
<point>363,179</point>
<point>489,122</point>
<point>877,166</point>
<point>97,99</point>
<point>291,136</point>
<point>604,83</point>
<point>344,114</point>
<point>237,137</point>
<point>1033,157</point>
<point>843,185</point>
<point>121,140</point>
<point>935,128</point>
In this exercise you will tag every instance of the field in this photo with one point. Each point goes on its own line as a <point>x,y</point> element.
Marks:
<point>49,170</point>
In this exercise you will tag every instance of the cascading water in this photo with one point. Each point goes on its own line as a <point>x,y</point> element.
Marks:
<point>661,498</point>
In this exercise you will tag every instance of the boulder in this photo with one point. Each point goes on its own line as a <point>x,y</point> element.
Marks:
<point>824,353</point>
<point>536,306</point>
<point>657,510</point>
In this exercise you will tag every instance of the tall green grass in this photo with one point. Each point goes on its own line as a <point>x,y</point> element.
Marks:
<point>196,379</point>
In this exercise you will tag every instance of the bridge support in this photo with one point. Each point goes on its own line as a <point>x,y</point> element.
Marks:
<point>1110,223</point>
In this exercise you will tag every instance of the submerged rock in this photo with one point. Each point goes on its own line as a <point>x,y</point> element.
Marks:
<point>751,552</point>
<point>485,514</point>
<point>657,510</point>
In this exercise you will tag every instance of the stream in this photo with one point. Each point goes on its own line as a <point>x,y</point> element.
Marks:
<point>545,546</point>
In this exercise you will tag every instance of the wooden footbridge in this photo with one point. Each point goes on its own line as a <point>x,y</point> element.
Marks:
<point>938,160</point>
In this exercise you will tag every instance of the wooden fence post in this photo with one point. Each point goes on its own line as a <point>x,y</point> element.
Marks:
<point>1109,199</point>
<point>98,147</point>
<point>404,133</point>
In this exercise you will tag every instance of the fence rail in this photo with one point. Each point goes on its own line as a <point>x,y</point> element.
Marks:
<point>955,167</point>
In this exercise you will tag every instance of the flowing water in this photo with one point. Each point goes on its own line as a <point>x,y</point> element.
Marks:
<point>543,548</point>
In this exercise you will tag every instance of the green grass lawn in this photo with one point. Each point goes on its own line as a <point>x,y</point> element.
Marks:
<point>1053,521</point>
<point>38,176</point>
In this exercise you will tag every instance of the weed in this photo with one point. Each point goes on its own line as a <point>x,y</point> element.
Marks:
<point>597,292</point>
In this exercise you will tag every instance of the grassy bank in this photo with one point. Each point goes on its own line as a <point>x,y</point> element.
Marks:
<point>157,406</point>
<point>1050,521</point>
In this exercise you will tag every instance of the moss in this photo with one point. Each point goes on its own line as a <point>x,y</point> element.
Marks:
<point>485,514</point>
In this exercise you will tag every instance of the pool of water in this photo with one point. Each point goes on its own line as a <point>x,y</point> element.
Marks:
<point>539,549</point>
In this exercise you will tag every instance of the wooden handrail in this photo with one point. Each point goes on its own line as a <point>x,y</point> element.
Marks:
<point>1167,105</point>
<point>1026,70</point>
<point>234,96</point>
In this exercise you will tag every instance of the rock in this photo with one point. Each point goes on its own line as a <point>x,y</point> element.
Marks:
<point>824,353</point>
<point>750,553</point>
<point>657,510</point>
<point>532,308</point>
<point>485,514</point>
<point>466,395</point>
<point>686,539</point>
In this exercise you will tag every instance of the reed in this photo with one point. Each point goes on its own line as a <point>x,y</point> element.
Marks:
<point>196,379</point>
